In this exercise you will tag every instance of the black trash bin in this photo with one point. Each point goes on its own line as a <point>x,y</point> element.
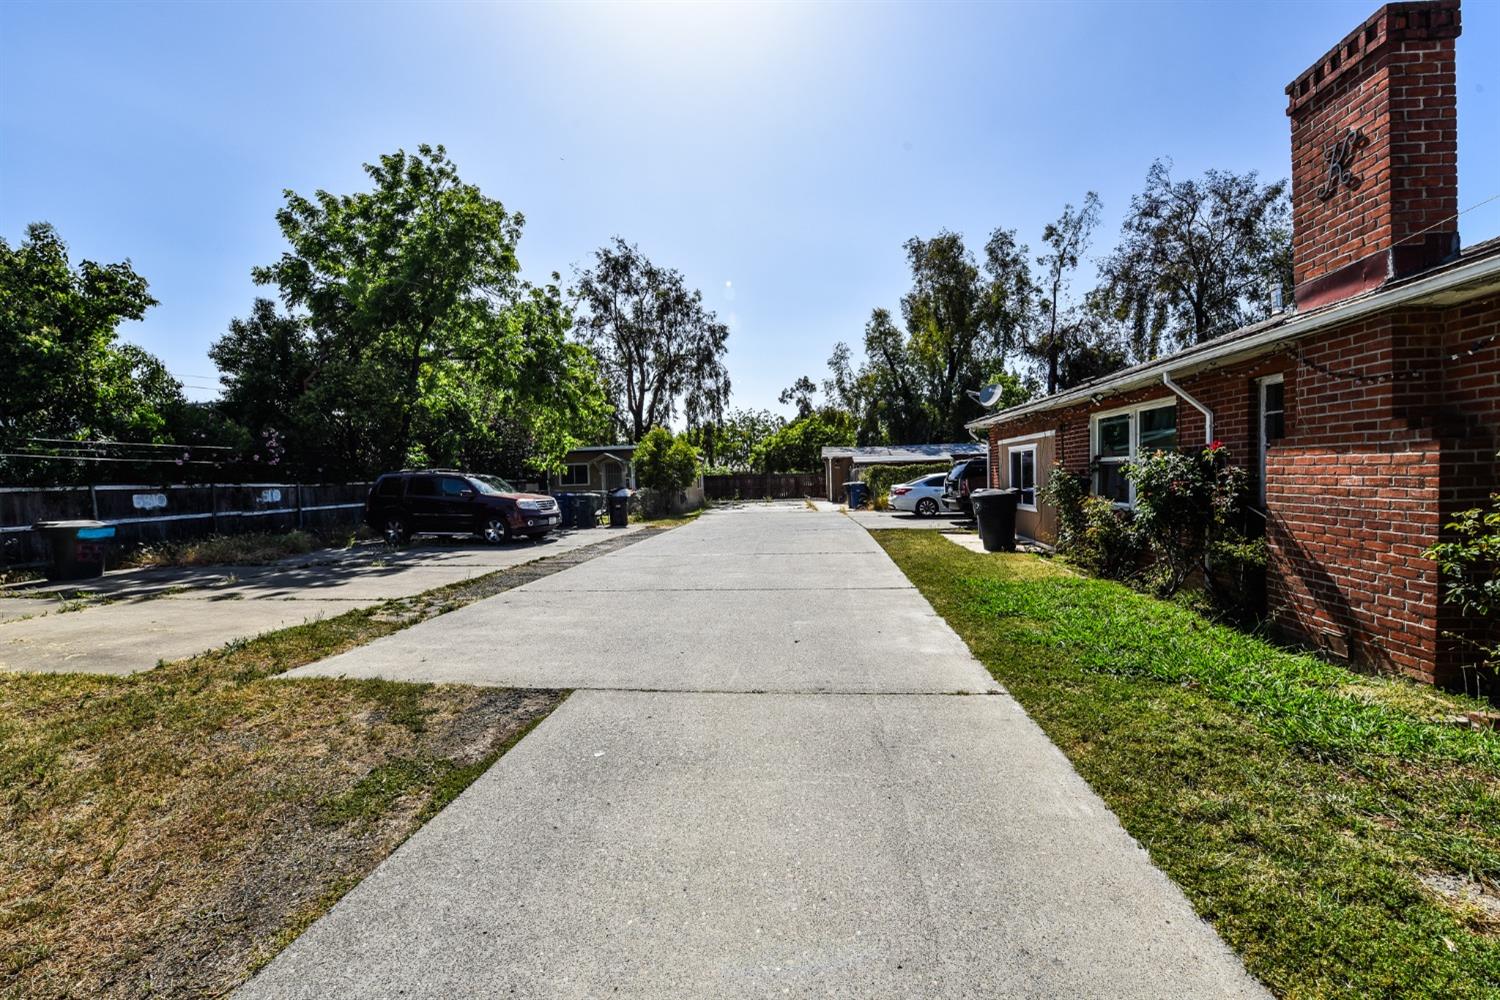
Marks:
<point>78,548</point>
<point>858,494</point>
<point>587,509</point>
<point>619,508</point>
<point>995,510</point>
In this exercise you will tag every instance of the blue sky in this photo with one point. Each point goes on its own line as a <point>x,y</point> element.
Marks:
<point>778,155</point>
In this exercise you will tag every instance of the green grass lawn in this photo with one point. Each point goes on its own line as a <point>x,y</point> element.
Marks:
<point>1339,835</point>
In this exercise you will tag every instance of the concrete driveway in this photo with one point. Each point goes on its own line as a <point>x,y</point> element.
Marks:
<point>767,789</point>
<point>132,619</point>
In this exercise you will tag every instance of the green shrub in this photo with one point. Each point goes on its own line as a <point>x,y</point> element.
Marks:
<point>1065,492</point>
<point>881,478</point>
<point>1108,544</point>
<point>1469,562</point>
<point>1183,503</point>
<point>664,464</point>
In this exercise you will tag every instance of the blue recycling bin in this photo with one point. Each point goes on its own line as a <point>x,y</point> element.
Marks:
<point>858,494</point>
<point>569,511</point>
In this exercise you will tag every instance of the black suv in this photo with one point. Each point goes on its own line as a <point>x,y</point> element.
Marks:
<point>449,502</point>
<point>965,477</point>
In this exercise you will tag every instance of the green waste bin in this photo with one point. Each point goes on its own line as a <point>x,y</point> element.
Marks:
<point>78,548</point>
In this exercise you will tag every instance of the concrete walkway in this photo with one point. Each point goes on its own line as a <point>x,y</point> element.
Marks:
<point>768,789</point>
<point>132,619</point>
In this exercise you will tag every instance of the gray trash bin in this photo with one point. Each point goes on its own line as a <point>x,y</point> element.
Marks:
<point>995,512</point>
<point>78,548</point>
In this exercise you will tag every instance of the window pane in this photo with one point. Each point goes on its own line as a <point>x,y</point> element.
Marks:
<point>1015,469</point>
<point>1114,437</point>
<point>1158,429</point>
<point>390,486</point>
<point>1275,425</point>
<point>453,487</point>
<point>1028,469</point>
<point>422,486</point>
<point>1110,482</point>
<point>1274,397</point>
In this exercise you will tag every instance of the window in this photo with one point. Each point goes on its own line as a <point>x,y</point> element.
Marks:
<point>454,487</point>
<point>575,475</point>
<point>1023,474</point>
<point>936,480</point>
<point>1121,436</point>
<point>1272,425</point>
<point>422,486</point>
<point>390,486</point>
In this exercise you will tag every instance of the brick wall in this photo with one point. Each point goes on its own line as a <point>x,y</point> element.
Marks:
<point>1393,80</point>
<point>1386,438</point>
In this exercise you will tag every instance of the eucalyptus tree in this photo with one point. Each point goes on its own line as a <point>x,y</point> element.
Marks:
<point>1066,240</point>
<point>660,349</point>
<point>1198,257</point>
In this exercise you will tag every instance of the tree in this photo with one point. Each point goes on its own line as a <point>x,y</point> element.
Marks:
<point>1067,240</point>
<point>730,443</point>
<point>800,393</point>
<point>66,373</point>
<point>798,446</point>
<point>268,362</point>
<point>658,347</point>
<point>424,343</point>
<point>664,463</point>
<point>1198,258</point>
<point>960,324</point>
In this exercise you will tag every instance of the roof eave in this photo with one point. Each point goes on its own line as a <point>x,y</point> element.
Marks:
<point>1483,275</point>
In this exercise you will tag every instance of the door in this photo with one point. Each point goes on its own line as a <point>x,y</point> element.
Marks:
<point>455,504</point>
<point>423,502</point>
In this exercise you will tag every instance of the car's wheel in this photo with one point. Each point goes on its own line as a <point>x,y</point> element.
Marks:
<point>927,507</point>
<point>396,532</point>
<point>495,530</point>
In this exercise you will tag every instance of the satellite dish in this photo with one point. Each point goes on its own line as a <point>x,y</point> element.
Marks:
<point>989,396</point>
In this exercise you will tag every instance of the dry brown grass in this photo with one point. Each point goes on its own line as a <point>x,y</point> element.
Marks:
<point>166,834</point>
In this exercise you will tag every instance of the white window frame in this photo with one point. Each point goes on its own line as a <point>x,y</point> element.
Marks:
<point>1260,433</point>
<point>1010,452</point>
<point>1133,412</point>
<point>568,471</point>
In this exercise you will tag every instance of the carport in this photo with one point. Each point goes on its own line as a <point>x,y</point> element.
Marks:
<point>841,465</point>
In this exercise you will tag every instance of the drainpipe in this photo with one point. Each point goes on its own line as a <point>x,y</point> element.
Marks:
<point>1208,415</point>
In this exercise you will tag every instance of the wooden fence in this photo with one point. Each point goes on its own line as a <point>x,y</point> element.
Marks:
<point>756,485</point>
<point>158,513</point>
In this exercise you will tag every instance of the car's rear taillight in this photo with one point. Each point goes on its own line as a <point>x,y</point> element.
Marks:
<point>897,491</point>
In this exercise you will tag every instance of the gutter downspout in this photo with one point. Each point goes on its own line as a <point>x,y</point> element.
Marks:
<point>1208,415</point>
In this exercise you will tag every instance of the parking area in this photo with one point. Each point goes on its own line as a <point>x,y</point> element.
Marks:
<point>129,620</point>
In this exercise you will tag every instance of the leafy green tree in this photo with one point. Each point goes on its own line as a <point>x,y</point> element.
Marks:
<point>797,447</point>
<point>420,341</point>
<point>1198,257</point>
<point>268,362</point>
<point>665,464</point>
<point>66,373</point>
<point>961,322</point>
<point>1067,240</point>
<point>730,444</point>
<point>659,348</point>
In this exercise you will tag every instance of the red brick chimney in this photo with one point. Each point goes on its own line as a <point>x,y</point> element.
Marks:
<point>1375,154</point>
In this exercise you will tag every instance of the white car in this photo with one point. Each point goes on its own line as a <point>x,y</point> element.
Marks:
<point>922,497</point>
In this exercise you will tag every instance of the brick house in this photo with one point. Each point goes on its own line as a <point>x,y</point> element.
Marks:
<point>1371,413</point>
